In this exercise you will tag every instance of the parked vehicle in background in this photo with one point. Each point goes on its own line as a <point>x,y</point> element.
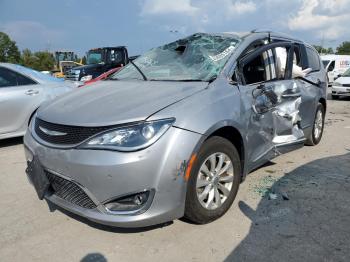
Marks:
<point>64,62</point>
<point>101,77</point>
<point>341,86</point>
<point>99,61</point>
<point>175,132</point>
<point>335,65</point>
<point>22,91</point>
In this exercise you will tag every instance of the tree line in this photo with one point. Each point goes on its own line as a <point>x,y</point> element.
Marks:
<point>342,49</point>
<point>45,61</point>
<point>40,60</point>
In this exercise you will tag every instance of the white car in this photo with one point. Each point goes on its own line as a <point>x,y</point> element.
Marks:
<point>341,86</point>
<point>22,90</point>
<point>335,65</point>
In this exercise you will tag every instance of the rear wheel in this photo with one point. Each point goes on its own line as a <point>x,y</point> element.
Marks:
<point>317,129</point>
<point>214,181</point>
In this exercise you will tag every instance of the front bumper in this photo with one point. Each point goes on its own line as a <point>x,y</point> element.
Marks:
<point>340,90</point>
<point>106,175</point>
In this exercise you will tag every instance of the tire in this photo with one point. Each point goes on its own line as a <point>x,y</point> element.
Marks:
<point>214,148</point>
<point>315,136</point>
<point>335,97</point>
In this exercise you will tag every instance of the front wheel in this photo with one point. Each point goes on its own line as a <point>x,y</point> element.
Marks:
<point>318,126</point>
<point>214,181</point>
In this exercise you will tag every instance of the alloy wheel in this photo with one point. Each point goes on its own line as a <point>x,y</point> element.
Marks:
<point>318,125</point>
<point>214,181</point>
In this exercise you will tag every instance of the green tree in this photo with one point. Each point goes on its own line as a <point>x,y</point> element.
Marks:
<point>28,59</point>
<point>8,50</point>
<point>46,61</point>
<point>323,50</point>
<point>41,61</point>
<point>344,48</point>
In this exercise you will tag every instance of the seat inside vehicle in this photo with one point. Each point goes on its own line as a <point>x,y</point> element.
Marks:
<point>254,71</point>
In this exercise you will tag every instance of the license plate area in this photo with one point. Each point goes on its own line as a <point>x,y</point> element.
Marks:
<point>38,177</point>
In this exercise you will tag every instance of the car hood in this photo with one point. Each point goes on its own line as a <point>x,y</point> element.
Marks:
<point>343,80</point>
<point>115,102</point>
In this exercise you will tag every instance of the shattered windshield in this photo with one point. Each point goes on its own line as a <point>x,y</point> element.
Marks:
<point>199,57</point>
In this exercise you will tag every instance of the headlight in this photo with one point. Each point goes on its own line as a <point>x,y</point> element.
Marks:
<point>86,78</point>
<point>76,72</point>
<point>337,84</point>
<point>130,138</point>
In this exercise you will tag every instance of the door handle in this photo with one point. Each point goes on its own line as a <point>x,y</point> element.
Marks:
<point>31,92</point>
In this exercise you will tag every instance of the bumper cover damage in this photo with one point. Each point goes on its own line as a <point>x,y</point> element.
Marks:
<point>110,175</point>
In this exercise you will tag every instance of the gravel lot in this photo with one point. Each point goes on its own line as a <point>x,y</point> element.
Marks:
<point>313,225</point>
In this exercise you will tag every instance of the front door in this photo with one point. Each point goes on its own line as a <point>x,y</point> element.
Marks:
<point>270,102</point>
<point>18,94</point>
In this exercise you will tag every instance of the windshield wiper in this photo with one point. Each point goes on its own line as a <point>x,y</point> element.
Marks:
<point>138,69</point>
<point>197,80</point>
<point>190,80</point>
<point>186,80</point>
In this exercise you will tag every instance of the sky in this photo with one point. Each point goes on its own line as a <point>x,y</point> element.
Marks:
<point>80,25</point>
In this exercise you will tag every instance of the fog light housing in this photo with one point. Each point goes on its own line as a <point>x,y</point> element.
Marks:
<point>130,204</point>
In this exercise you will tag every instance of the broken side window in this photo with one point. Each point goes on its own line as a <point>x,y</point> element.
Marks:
<point>298,69</point>
<point>313,59</point>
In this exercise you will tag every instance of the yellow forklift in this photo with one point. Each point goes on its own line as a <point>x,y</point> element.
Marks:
<point>64,62</point>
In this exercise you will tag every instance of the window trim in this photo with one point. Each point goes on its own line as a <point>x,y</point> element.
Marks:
<point>18,73</point>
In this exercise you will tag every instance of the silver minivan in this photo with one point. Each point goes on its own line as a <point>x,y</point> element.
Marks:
<point>177,130</point>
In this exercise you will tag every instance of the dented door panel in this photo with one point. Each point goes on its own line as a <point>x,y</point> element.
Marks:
<point>272,106</point>
<point>259,128</point>
<point>276,129</point>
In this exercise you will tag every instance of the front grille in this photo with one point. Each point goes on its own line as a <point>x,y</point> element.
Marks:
<point>71,75</point>
<point>346,85</point>
<point>67,69</point>
<point>69,191</point>
<point>73,134</point>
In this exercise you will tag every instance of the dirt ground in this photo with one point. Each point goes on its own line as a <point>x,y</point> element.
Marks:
<point>308,221</point>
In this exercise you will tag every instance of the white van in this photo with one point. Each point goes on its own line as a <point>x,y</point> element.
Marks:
<point>335,65</point>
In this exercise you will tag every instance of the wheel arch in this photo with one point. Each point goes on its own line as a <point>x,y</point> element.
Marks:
<point>324,103</point>
<point>31,115</point>
<point>231,132</point>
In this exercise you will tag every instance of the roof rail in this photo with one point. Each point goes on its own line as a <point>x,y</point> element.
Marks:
<point>261,31</point>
